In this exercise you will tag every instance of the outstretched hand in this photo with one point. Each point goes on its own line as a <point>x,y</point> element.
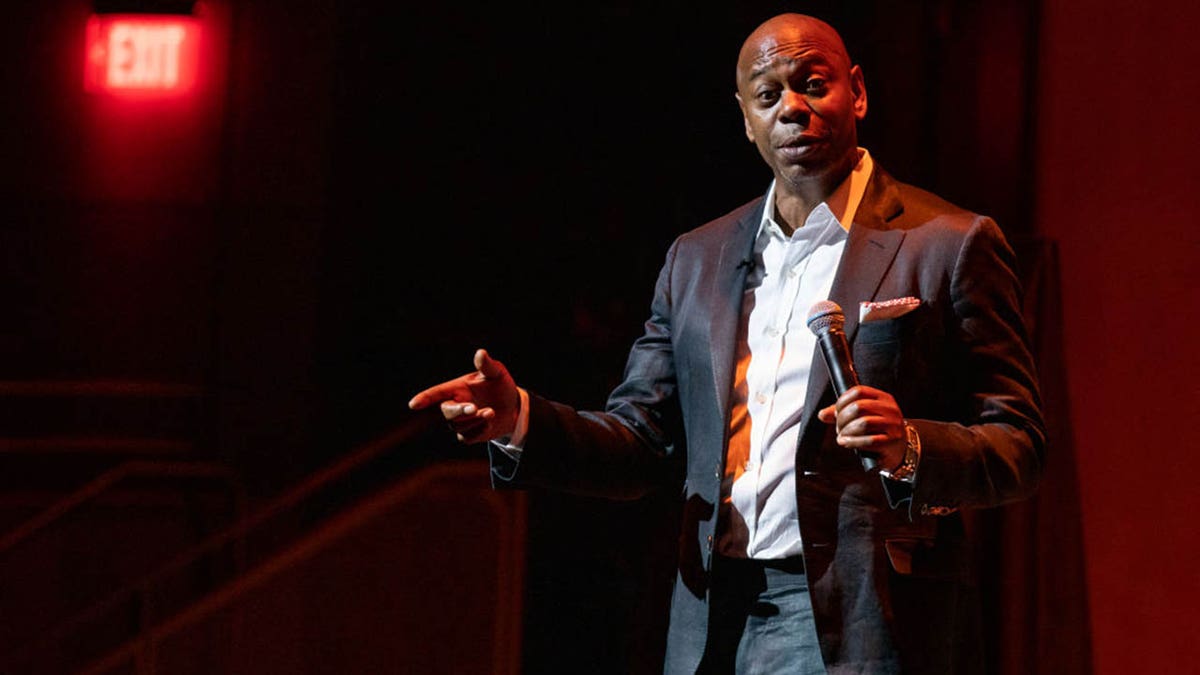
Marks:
<point>868,420</point>
<point>479,406</point>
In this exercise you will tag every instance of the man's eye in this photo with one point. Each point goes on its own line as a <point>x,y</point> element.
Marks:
<point>767,97</point>
<point>814,86</point>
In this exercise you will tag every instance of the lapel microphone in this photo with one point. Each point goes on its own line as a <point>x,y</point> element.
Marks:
<point>828,323</point>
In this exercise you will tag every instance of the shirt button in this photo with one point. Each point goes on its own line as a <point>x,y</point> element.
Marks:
<point>760,398</point>
<point>773,332</point>
<point>792,273</point>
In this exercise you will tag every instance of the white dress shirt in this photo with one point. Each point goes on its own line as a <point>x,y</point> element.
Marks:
<point>775,350</point>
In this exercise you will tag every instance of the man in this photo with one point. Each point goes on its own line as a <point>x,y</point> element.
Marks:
<point>793,557</point>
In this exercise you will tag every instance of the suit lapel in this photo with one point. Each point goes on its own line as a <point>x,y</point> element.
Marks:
<point>870,249</point>
<point>728,287</point>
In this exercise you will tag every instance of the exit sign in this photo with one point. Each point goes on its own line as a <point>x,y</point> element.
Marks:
<point>141,54</point>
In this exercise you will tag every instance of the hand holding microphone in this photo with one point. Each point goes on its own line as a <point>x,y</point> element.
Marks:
<point>868,420</point>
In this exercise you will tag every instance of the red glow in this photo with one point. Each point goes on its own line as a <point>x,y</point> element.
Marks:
<point>141,54</point>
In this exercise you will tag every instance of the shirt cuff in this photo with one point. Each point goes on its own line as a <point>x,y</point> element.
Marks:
<point>514,444</point>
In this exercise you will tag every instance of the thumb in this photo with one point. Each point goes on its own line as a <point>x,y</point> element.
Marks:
<point>487,366</point>
<point>827,414</point>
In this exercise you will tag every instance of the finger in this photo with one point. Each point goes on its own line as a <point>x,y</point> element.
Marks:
<point>871,426</point>
<point>471,431</point>
<point>868,408</point>
<point>861,392</point>
<point>441,392</point>
<point>452,410</point>
<point>465,423</point>
<point>862,442</point>
<point>421,400</point>
<point>487,366</point>
<point>828,414</point>
<point>849,396</point>
<point>848,413</point>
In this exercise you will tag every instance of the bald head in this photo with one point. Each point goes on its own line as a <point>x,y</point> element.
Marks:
<point>788,33</point>
<point>801,100</point>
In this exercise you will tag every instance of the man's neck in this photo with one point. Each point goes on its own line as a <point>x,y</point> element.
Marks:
<point>792,211</point>
<point>794,203</point>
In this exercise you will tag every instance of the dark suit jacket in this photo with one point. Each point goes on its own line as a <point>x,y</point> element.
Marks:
<point>892,587</point>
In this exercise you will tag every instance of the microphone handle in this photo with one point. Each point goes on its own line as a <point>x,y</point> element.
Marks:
<point>837,358</point>
<point>836,351</point>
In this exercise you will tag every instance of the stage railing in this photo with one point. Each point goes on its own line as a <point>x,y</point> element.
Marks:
<point>146,622</point>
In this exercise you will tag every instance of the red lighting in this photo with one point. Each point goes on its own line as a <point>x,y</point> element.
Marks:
<point>141,54</point>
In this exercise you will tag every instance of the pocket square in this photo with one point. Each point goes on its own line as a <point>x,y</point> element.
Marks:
<point>886,309</point>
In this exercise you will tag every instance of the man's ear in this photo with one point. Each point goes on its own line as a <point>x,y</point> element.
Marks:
<point>858,87</point>
<point>745,119</point>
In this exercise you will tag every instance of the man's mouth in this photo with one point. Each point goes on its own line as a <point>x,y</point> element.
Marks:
<point>803,140</point>
<point>798,147</point>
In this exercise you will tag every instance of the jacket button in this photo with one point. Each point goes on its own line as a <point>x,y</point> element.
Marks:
<point>708,541</point>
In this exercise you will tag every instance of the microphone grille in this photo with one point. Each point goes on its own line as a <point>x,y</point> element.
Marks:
<point>824,316</point>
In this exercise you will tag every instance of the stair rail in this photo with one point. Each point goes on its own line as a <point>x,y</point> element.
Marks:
<point>107,480</point>
<point>138,594</point>
<point>140,652</point>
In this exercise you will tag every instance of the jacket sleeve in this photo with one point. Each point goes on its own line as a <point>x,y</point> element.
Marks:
<point>627,450</point>
<point>994,452</point>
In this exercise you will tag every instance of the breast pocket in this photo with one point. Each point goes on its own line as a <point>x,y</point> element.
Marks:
<point>887,353</point>
<point>887,330</point>
<point>877,352</point>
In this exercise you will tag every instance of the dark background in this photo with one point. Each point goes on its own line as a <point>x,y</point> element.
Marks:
<point>359,194</point>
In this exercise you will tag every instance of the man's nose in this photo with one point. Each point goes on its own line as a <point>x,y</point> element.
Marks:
<point>795,107</point>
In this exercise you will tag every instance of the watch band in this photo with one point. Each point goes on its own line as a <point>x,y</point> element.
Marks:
<point>907,471</point>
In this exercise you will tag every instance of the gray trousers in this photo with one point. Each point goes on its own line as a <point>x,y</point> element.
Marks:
<point>761,620</point>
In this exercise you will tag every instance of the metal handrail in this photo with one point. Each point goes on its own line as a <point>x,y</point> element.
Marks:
<point>415,425</point>
<point>506,640</point>
<point>101,484</point>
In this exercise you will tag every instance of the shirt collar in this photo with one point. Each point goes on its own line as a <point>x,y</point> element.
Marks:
<point>842,204</point>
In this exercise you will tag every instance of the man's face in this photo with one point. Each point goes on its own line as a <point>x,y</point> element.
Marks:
<point>801,101</point>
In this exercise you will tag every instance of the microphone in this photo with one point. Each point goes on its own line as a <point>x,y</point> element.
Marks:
<point>827,322</point>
